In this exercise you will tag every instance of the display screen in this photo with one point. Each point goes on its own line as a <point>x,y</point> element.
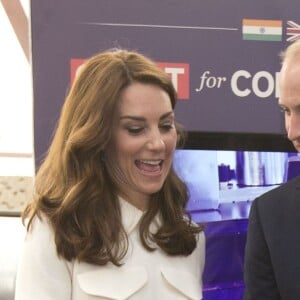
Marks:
<point>223,183</point>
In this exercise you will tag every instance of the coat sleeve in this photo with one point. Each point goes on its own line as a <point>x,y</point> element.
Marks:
<point>201,251</point>
<point>41,273</point>
<point>260,283</point>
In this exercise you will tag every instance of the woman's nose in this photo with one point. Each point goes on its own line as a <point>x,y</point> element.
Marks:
<point>155,141</point>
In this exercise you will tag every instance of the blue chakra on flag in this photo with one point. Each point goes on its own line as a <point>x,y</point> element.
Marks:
<point>262,30</point>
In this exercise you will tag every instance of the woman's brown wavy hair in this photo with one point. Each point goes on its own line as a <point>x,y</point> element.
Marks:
<point>75,191</point>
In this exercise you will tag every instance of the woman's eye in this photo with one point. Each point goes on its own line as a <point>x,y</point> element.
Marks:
<point>167,127</point>
<point>135,130</point>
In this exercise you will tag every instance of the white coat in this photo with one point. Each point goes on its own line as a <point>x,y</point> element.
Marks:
<point>42,275</point>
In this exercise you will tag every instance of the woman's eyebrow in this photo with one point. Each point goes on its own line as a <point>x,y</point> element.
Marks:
<point>136,118</point>
<point>166,115</point>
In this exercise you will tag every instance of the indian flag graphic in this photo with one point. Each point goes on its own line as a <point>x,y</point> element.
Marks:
<point>262,30</point>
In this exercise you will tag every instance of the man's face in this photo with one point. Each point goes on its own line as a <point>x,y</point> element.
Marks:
<point>289,99</point>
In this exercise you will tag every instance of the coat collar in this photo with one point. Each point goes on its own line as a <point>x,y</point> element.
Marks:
<point>131,217</point>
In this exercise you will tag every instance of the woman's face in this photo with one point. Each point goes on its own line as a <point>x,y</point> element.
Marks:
<point>143,143</point>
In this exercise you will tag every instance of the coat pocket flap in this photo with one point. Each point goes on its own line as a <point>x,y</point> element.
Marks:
<point>183,281</point>
<point>113,282</point>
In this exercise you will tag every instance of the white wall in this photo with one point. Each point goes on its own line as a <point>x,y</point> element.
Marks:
<point>16,105</point>
<point>16,119</point>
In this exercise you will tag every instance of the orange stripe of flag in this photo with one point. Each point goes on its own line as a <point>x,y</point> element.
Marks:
<point>256,22</point>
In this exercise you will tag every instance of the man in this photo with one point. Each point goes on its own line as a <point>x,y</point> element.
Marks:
<point>272,256</point>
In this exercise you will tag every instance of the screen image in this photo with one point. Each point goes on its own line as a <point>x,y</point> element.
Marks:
<point>222,184</point>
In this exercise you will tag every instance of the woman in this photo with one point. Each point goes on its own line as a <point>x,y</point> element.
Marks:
<point>108,218</point>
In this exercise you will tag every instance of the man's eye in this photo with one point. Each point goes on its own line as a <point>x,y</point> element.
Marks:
<point>284,110</point>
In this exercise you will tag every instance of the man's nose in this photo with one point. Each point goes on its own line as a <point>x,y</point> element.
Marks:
<point>293,127</point>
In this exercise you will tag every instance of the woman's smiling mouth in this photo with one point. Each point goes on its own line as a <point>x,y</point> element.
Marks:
<point>149,166</point>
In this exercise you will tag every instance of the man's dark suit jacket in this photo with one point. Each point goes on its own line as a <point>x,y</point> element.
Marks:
<point>272,256</point>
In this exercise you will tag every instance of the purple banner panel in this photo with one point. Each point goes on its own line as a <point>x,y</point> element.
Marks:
<point>224,62</point>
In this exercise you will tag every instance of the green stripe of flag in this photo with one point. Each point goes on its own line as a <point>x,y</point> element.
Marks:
<point>262,37</point>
